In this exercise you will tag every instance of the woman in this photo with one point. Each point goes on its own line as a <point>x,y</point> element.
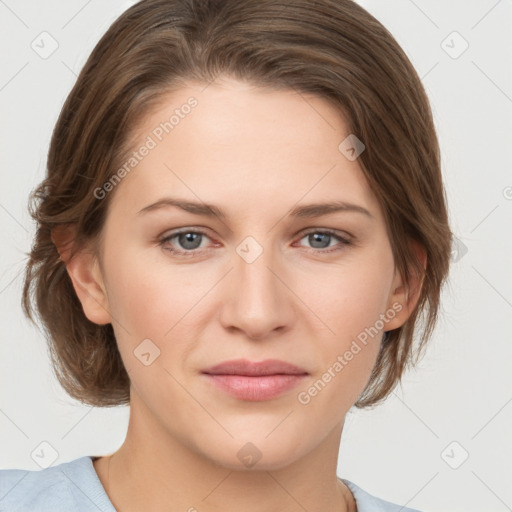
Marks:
<point>242,223</point>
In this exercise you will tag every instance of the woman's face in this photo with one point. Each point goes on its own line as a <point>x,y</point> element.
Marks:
<point>265,280</point>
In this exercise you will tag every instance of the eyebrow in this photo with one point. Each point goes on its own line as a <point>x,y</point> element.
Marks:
<point>210,210</point>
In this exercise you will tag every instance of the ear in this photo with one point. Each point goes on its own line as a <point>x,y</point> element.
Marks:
<point>404,299</point>
<point>85,274</point>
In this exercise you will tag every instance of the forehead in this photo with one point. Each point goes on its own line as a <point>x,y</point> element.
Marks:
<point>233,142</point>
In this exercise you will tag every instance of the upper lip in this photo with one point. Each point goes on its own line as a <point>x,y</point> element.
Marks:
<point>255,368</point>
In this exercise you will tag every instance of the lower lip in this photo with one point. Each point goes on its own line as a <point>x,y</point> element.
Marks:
<point>255,389</point>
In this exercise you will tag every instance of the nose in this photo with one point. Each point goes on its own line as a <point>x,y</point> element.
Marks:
<point>256,297</point>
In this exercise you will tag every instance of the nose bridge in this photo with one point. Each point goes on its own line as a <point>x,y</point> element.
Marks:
<point>255,277</point>
<point>258,302</point>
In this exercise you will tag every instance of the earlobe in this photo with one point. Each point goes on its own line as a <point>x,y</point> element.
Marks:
<point>404,298</point>
<point>85,274</point>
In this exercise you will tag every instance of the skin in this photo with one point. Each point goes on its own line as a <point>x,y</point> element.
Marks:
<point>256,154</point>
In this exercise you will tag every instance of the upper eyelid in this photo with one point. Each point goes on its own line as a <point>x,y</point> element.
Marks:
<point>335,232</point>
<point>304,231</point>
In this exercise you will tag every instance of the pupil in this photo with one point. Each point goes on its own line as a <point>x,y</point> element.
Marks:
<point>319,237</point>
<point>190,240</point>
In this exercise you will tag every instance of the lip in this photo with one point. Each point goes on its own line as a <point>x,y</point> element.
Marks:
<point>255,368</point>
<point>255,381</point>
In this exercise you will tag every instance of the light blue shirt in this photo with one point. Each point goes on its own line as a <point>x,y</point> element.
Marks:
<point>75,487</point>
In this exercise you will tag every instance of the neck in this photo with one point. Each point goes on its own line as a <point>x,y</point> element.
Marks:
<point>156,472</point>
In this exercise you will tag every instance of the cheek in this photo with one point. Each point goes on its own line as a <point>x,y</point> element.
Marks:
<point>349,301</point>
<point>156,301</point>
<point>349,297</point>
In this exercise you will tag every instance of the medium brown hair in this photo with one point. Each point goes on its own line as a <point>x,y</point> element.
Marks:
<point>331,48</point>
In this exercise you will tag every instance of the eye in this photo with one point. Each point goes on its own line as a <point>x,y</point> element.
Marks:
<point>321,240</point>
<point>188,241</point>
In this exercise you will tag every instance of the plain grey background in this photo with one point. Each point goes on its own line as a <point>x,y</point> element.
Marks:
<point>442,440</point>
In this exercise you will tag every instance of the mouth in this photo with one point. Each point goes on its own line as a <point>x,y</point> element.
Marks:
<point>255,381</point>
<point>254,368</point>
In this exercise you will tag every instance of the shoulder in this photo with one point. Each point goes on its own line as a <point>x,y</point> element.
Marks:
<point>368,503</point>
<point>71,486</point>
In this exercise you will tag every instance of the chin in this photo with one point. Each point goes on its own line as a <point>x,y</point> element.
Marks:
<point>258,454</point>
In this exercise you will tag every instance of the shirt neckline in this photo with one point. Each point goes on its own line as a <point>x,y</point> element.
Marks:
<point>91,458</point>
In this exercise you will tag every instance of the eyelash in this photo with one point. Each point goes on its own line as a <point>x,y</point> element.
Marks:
<point>194,252</point>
